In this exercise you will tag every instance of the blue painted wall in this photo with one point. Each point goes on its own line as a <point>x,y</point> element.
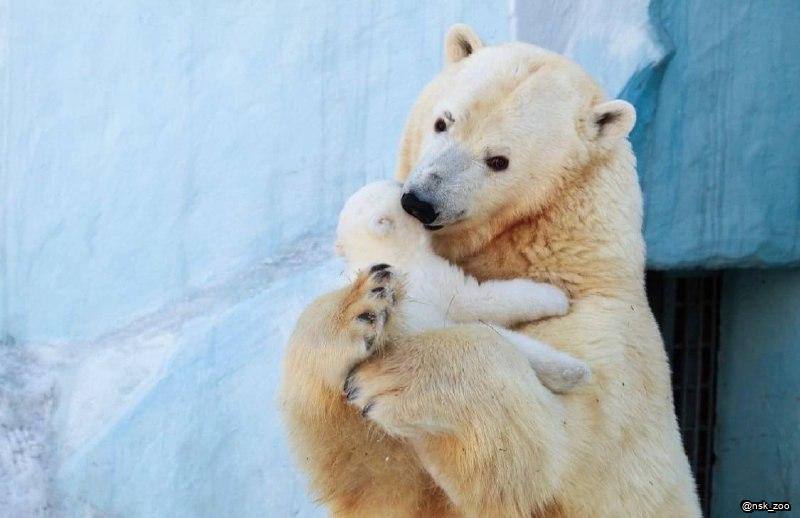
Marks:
<point>717,136</point>
<point>758,390</point>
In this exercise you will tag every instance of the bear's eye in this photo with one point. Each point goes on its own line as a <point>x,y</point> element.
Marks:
<point>440,125</point>
<point>497,163</point>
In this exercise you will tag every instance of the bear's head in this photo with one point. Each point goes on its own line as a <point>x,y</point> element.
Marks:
<point>500,130</point>
<point>373,228</point>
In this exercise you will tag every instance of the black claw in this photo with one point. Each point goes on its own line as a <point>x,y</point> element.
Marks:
<point>369,342</point>
<point>379,292</point>
<point>351,393</point>
<point>378,267</point>
<point>367,408</point>
<point>381,275</point>
<point>348,389</point>
<point>368,317</point>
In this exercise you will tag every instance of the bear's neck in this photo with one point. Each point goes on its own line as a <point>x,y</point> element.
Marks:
<point>587,239</point>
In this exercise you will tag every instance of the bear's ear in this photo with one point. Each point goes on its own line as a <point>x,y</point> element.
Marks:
<point>612,120</point>
<point>460,42</point>
<point>381,225</point>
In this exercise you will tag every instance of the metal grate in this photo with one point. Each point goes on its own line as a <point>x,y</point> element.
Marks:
<point>686,306</point>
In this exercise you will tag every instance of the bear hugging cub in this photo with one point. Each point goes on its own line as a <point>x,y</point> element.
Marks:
<point>519,168</point>
<point>374,230</point>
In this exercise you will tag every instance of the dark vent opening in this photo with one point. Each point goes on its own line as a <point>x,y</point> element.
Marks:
<point>686,306</point>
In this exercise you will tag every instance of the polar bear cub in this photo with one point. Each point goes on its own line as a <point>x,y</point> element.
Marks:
<point>374,230</point>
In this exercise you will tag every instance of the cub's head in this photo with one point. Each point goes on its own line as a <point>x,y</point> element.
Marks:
<point>374,228</point>
<point>500,129</point>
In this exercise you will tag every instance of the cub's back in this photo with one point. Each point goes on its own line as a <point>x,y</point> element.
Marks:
<point>431,287</point>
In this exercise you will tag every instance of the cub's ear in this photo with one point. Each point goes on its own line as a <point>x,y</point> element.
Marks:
<point>460,42</point>
<point>381,225</point>
<point>611,120</point>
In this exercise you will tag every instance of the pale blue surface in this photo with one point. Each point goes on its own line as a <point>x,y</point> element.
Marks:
<point>206,438</point>
<point>758,409</point>
<point>172,174</point>
<point>153,147</point>
<point>612,40</point>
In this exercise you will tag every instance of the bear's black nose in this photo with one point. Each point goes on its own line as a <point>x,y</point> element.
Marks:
<point>422,210</point>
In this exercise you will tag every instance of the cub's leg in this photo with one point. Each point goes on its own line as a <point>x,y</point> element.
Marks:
<point>557,371</point>
<point>355,468</point>
<point>508,302</point>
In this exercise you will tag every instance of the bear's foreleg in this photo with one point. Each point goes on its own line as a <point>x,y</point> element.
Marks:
<point>354,467</point>
<point>491,436</point>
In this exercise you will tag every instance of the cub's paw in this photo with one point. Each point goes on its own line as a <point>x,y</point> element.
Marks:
<point>370,304</point>
<point>555,300</point>
<point>564,375</point>
<point>542,299</point>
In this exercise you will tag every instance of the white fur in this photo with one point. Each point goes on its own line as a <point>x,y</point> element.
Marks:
<point>374,229</point>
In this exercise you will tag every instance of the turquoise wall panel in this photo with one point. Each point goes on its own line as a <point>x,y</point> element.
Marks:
<point>717,135</point>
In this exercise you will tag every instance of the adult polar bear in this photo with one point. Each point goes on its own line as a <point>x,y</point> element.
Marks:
<point>522,169</point>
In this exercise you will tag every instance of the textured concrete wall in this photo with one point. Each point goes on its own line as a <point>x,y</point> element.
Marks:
<point>758,390</point>
<point>171,175</point>
<point>153,147</point>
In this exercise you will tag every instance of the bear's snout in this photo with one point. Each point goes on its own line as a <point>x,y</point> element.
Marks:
<point>420,209</point>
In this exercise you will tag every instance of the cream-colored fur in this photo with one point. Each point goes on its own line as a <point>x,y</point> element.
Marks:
<point>354,467</point>
<point>473,432</point>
